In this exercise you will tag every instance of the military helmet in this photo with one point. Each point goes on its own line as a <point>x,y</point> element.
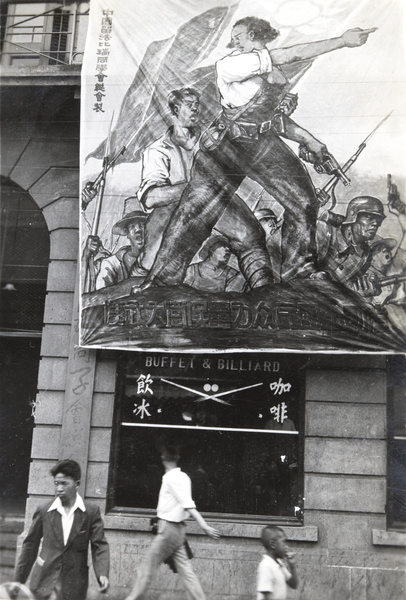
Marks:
<point>363,204</point>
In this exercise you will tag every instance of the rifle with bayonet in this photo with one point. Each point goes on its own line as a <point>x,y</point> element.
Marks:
<point>327,165</point>
<point>102,183</point>
<point>92,187</point>
<point>326,193</point>
<point>88,264</point>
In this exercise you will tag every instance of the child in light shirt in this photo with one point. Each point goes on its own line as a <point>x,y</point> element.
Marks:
<point>277,570</point>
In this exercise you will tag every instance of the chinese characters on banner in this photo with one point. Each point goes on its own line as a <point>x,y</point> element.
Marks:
<point>103,52</point>
<point>241,174</point>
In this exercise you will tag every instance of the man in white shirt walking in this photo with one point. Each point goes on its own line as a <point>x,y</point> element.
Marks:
<point>66,526</point>
<point>175,504</point>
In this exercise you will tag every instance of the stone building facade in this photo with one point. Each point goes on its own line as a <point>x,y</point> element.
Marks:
<point>346,548</point>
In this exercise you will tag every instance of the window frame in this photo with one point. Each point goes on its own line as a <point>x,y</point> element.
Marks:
<point>114,509</point>
<point>396,444</point>
<point>15,53</point>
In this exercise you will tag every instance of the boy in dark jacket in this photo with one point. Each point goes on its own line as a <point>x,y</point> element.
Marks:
<point>66,526</point>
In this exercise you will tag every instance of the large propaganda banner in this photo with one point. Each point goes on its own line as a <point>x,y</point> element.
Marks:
<point>242,180</point>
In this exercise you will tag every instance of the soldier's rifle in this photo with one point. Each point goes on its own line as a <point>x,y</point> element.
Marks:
<point>102,183</point>
<point>379,283</point>
<point>90,273</point>
<point>394,201</point>
<point>326,193</point>
<point>391,280</point>
<point>92,187</point>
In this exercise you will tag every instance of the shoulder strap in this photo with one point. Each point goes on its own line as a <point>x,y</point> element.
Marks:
<point>242,109</point>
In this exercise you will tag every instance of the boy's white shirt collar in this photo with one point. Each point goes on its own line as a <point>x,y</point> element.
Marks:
<point>67,518</point>
<point>57,505</point>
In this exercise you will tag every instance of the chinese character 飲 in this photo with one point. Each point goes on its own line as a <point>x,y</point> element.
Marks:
<point>143,384</point>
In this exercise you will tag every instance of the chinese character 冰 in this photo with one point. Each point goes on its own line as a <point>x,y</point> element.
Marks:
<point>141,409</point>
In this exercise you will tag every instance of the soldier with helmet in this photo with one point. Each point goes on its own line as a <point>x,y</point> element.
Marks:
<point>343,243</point>
<point>388,261</point>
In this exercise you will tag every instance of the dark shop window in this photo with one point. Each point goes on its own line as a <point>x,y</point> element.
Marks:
<point>238,421</point>
<point>396,485</point>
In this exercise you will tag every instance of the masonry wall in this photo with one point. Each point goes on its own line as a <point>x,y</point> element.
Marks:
<point>40,151</point>
<point>345,482</point>
<point>343,550</point>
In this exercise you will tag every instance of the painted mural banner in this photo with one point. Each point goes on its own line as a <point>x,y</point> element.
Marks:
<point>242,181</point>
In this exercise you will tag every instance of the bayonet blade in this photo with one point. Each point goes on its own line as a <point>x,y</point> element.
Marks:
<point>108,139</point>
<point>377,127</point>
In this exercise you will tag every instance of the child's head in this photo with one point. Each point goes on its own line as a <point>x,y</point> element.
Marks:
<point>274,540</point>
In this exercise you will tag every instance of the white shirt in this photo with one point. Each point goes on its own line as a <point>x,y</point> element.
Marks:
<point>165,162</point>
<point>272,578</point>
<point>175,496</point>
<point>113,269</point>
<point>238,76</point>
<point>67,518</point>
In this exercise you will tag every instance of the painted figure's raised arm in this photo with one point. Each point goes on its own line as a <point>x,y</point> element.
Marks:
<point>239,67</point>
<point>350,39</point>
